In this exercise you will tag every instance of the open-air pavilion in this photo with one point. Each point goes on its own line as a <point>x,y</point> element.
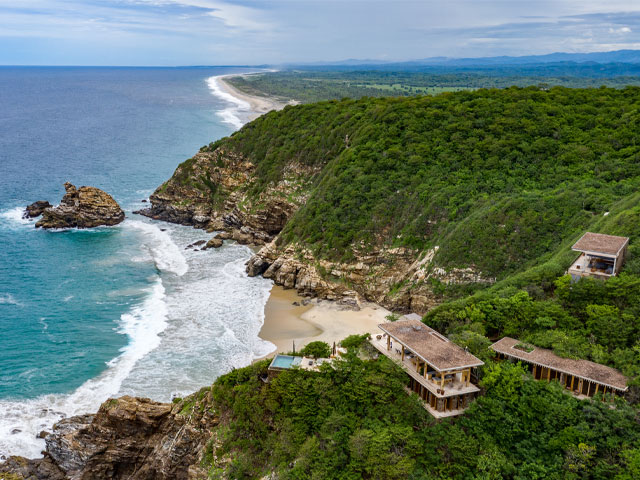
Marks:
<point>441,372</point>
<point>581,377</point>
<point>601,256</point>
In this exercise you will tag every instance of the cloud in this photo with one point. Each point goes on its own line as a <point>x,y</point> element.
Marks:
<point>233,15</point>
<point>620,30</point>
<point>211,32</point>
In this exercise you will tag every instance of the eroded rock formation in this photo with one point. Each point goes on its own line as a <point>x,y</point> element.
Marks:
<point>84,207</point>
<point>129,438</point>
<point>36,208</point>
<point>213,191</point>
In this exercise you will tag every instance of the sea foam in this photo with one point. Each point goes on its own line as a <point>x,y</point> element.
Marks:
<point>164,252</point>
<point>12,218</point>
<point>231,115</point>
<point>21,421</point>
<point>8,299</point>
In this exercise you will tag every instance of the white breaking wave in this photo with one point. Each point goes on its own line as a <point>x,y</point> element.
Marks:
<point>8,299</point>
<point>12,218</point>
<point>215,315</point>
<point>21,421</point>
<point>165,253</point>
<point>230,115</point>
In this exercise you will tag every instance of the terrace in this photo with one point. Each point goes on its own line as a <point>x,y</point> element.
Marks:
<point>440,372</point>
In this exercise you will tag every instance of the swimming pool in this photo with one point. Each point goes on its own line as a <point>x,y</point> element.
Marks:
<point>285,361</point>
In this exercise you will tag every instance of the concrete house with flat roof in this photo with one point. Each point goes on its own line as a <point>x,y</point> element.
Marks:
<point>601,256</point>
<point>440,372</point>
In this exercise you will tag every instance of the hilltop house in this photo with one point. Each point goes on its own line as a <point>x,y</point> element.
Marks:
<point>440,372</point>
<point>581,377</point>
<point>601,256</point>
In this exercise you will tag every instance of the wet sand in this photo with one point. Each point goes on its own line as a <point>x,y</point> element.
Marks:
<point>286,323</point>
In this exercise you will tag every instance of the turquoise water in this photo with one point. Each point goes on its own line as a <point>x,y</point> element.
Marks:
<point>87,314</point>
<point>285,361</point>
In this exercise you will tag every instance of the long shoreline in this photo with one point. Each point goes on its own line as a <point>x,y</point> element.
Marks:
<point>258,105</point>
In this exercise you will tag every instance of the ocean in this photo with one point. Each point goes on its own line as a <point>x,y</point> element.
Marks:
<point>90,314</point>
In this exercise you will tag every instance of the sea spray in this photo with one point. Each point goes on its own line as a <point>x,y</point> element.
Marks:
<point>13,218</point>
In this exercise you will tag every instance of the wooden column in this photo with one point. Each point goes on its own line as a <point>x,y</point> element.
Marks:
<point>589,389</point>
<point>468,372</point>
<point>442,380</point>
<point>597,386</point>
<point>573,377</point>
<point>403,353</point>
<point>548,374</point>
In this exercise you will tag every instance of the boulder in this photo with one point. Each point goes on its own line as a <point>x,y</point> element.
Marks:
<point>85,207</point>
<point>195,244</point>
<point>213,243</point>
<point>36,208</point>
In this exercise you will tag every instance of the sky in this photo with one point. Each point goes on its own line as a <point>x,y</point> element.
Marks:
<point>245,32</point>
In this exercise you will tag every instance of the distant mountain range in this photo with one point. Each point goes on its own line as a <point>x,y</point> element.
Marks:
<point>618,56</point>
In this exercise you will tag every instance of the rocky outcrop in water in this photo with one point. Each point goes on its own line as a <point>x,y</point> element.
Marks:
<point>129,438</point>
<point>36,209</point>
<point>84,207</point>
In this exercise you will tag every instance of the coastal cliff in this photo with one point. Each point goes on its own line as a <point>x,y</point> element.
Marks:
<point>407,202</point>
<point>215,190</point>
<point>128,438</point>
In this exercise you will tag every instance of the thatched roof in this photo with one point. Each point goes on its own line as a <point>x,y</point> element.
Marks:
<point>434,348</point>
<point>585,369</point>
<point>599,243</point>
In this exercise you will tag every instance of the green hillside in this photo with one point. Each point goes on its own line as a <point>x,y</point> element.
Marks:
<point>496,178</point>
<point>357,422</point>
<point>502,182</point>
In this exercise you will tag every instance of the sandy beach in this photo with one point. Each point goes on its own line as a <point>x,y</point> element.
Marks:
<point>286,323</point>
<point>290,318</point>
<point>259,105</point>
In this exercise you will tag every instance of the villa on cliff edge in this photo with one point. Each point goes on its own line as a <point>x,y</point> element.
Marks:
<point>444,375</point>
<point>441,373</point>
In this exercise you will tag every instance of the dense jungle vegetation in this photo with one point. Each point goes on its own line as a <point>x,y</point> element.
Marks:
<point>502,181</point>
<point>313,85</point>
<point>498,179</point>
<point>357,421</point>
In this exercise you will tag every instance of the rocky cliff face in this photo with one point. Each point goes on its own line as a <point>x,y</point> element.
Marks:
<point>396,278</point>
<point>129,438</point>
<point>84,207</point>
<point>213,191</point>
